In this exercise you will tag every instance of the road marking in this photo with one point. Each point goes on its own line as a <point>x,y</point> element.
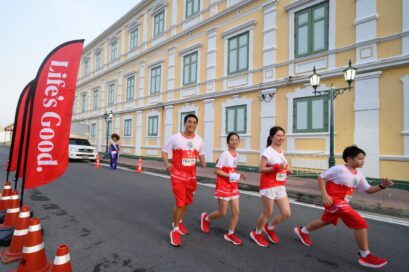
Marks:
<point>386,219</point>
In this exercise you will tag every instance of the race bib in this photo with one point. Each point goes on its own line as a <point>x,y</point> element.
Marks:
<point>188,161</point>
<point>348,197</point>
<point>281,176</point>
<point>113,152</point>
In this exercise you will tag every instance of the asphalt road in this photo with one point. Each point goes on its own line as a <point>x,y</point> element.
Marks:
<point>120,221</point>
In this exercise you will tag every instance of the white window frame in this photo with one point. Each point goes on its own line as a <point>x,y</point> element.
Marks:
<point>93,130</point>
<point>134,87</point>
<point>193,14</point>
<point>134,29</point>
<point>98,65</point>
<point>85,67</point>
<point>128,121</point>
<point>113,97</point>
<point>238,101</point>
<point>95,102</point>
<point>114,56</point>
<point>153,113</point>
<point>150,79</point>
<point>155,35</point>
<point>83,102</point>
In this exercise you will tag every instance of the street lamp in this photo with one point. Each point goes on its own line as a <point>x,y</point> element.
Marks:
<point>108,118</point>
<point>332,93</point>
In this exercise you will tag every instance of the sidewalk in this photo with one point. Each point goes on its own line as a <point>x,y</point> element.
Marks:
<point>390,202</point>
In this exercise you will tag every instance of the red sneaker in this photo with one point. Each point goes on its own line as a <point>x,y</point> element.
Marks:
<point>372,261</point>
<point>271,235</point>
<point>204,224</point>
<point>233,239</point>
<point>175,239</point>
<point>182,229</point>
<point>259,239</point>
<point>304,237</point>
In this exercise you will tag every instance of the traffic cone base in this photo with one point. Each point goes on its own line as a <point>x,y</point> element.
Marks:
<point>14,252</point>
<point>7,257</point>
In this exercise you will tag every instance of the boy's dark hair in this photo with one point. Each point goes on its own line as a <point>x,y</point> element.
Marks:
<point>231,134</point>
<point>114,135</point>
<point>188,116</point>
<point>351,152</point>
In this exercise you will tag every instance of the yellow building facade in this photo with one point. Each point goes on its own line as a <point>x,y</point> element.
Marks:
<point>244,66</point>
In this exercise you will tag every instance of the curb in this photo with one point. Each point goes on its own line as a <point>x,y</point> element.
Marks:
<point>299,196</point>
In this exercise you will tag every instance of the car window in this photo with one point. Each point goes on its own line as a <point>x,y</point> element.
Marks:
<point>79,142</point>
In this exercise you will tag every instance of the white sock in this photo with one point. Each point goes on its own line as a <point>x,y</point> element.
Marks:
<point>270,226</point>
<point>364,253</point>
<point>258,231</point>
<point>230,232</point>
<point>176,228</point>
<point>181,221</point>
<point>207,219</point>
<point>304,230</point>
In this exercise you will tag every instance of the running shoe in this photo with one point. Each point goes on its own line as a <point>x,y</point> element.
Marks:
<point>233,239</point>
<point>204,224</point>
<point>372,261</point>
<point>304,237</point>
<point>259,239</point>
<point>271,235</point>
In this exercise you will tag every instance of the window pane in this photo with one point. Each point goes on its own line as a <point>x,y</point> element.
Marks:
<point>189,8</point>
<point>241,118</point>
<point>302,41</point>
<point>317,114</point>
<point>319,13</point>
<point>193,57</point>
<point>243,58</point>
<point>232,43</point>
<point>233,61</point>
<point>302,115</point>
<point>243,40</point>
<point>186,75</point>
<point>193,73</point>
<point>303,18</point>
<point>319,35</point>
<point>230,120</point>
<point>197,6</point>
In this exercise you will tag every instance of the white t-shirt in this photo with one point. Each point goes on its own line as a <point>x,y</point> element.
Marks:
<point>341,175</point>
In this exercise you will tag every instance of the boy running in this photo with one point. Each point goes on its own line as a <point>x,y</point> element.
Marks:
<point>185,146</point>
<point>337,185</point>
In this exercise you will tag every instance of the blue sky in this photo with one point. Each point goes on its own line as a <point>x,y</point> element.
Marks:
<point>30,29</point>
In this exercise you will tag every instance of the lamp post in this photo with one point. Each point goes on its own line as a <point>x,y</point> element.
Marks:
<point>108,118</point>
<point>332,93</point>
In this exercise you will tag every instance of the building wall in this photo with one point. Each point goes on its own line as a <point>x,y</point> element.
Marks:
<point>374,35</point>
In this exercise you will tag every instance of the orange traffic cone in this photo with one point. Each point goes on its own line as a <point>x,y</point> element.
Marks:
<point>5,196</point>
<point>62,259</point>
<point>139,166</point>
<point>97,164</point>
<point>33,258</point>
<point>7,166</point>
<point>12,212</point>
<point>13,253</point>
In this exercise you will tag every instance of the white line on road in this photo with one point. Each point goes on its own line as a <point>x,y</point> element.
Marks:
<point>381,218</point>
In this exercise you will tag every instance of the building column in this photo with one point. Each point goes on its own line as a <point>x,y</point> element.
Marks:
<point>267,116</point>
<point>171,73</point>
<point>405,132</point>
<point>269,46</point>
<point>119,92</point>
<point>141,83</point>
<point>209,129</point>
<point>174,17</point>
<point>168,123</point>
<point>366,107</point>
<point>138,134</point>
<point>365,30</point>
<point>145,30</point>
<point>405,26</point>
<point>122,52</point>
<point>100,137</point>
<point>211,60</point>
<point>105,55</point>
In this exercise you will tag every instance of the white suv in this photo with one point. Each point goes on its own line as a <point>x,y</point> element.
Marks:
<point>81,149</point>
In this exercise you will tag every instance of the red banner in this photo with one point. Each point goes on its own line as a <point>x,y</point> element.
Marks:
<point>53,93</point>
<point>21,113</point>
